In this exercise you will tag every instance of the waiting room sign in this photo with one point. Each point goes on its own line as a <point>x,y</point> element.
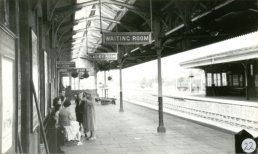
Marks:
<point>102,56</point>
<point>126,38</point>
<point>65,64</point>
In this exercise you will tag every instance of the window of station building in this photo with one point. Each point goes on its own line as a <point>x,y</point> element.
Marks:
<point>241,81</point>
<point>224,79</point>
<point>235,80</point>
<point>256,80</point>
<point>209,79</point>
<point>230,83</point>
<point>218,79</point>
<point>251,70</point>
<point>215,81</point>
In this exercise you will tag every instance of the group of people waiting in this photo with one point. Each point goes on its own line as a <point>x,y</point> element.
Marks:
<point>76,116</point>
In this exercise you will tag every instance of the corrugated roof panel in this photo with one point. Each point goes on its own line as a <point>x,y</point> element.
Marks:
<point>80,25</point>
<point>108,11</point>
<point>82,1</point>
<point>80,34</point>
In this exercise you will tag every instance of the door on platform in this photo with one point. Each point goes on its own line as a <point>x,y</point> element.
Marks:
<point>7,91</point>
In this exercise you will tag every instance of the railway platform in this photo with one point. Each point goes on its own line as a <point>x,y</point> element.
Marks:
<point>134,131</point>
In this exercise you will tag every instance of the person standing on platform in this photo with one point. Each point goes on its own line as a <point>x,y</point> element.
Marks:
<point>89,116</point>
<point>57,106</point>
<point>79,109</point>
<point>62,95</point>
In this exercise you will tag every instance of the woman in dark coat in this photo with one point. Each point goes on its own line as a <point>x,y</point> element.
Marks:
<point>79,109</point>
<point>89,116</point>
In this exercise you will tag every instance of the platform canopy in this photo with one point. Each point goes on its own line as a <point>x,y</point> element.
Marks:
<point>184,24</point>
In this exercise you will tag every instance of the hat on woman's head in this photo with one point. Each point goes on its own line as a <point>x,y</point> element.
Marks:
<point>55,101</point>
<point>67,103</point>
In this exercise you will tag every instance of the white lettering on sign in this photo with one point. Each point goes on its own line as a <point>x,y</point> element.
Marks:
<point>65,64</point>
<point>126,38</point>
<point>103,56</point>
<point>140,38</point>
<point>118,38</point>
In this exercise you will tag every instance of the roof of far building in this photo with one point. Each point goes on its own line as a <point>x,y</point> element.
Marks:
<point>238,52</point>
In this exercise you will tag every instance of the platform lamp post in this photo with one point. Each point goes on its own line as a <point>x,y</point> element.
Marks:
<point>157,32</point>
<point>161,127</point>
<point>105,84</point>
<point>245,65</point>
<point>190,81</point>
<point>95,80</point>
<point>121,90</point>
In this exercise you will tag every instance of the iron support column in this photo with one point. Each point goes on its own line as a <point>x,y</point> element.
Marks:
<point>121,91</point>
<point>25,64</point>
<point>161,127</point>
<point>70,80</point>
<point>96,81</point>
<point>105,84</point>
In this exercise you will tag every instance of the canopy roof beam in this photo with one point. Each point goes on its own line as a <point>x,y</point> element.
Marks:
<point>73,8</point>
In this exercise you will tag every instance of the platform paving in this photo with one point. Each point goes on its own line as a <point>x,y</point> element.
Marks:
<point>135,132</point>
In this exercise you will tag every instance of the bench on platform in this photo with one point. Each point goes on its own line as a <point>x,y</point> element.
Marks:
<point>236,90</point>
<point>105,101</point>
